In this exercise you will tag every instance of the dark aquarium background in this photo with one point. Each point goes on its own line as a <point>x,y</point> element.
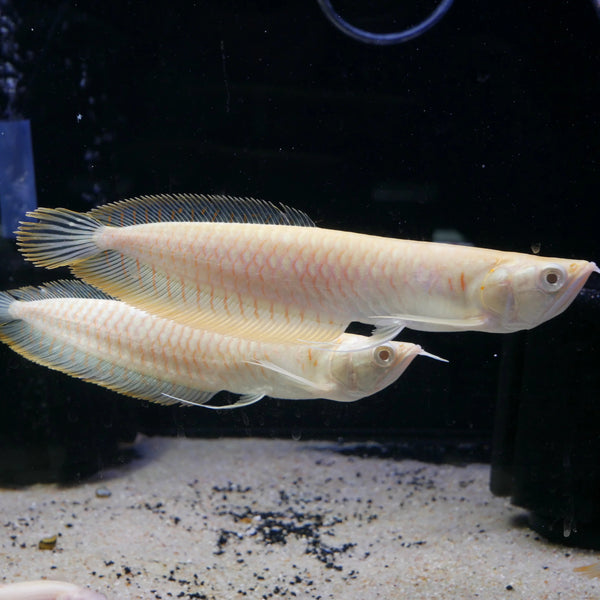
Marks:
<point>488,126</point>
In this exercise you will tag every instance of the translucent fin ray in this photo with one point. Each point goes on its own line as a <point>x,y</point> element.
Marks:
<point>245,400</point>
<point>60,237</point>
<point>297,379</point>
<point>63,288</point>
<point>423,323</point>
<point>6,300</point>
<point>163,208</point>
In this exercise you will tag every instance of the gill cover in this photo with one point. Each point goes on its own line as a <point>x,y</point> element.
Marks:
<point>364,372</point>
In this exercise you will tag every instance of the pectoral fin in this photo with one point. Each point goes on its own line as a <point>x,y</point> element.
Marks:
<point>427,323</point>
<point>386,333</point>
<point>312,387</point>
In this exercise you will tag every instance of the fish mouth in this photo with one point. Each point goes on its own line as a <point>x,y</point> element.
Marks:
<point>569,293</point>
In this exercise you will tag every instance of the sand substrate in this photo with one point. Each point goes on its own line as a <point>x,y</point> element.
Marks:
<point>254,518</point>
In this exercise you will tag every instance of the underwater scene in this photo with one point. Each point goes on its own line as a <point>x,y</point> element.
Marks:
<point>299,300</point>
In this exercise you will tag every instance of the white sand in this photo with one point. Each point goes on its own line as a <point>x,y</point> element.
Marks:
<point>253,518</point>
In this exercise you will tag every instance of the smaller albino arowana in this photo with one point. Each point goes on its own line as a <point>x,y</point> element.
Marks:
<point>245,267</point>
<point>72,327</point>
<point>46,589</point>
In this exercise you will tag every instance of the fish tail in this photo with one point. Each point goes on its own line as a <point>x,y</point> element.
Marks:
<point>5,301</point>
<point>59,237</point>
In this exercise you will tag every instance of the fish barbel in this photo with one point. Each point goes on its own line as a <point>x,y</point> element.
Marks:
<point>245,266</point>
<point>72,327</point>
<point>45,589</point>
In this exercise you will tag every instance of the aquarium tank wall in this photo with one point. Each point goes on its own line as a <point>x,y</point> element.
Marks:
<point>481,130</point>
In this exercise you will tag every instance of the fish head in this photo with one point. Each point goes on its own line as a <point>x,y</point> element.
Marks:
<point>525,291</point>
<point>366,370</point>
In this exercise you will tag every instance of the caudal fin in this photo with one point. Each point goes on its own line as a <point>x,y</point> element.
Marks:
<point>5,301</point>
<point>59,237</point>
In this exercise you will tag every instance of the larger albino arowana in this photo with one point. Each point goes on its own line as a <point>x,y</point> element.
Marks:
<point>246,267</point>
<point>72,327</point>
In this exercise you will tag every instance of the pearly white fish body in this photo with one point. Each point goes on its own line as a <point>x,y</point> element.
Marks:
<point>46,590</point>
<point>72,327</point>
<point>221,263</point>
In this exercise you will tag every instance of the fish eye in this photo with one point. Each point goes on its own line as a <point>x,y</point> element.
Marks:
<point>383,355</point>
<point>552,278</point>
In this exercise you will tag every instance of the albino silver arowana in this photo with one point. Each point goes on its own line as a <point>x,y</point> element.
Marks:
<point>46,589</point>
<point>74,328</point>
<point>243,266</point>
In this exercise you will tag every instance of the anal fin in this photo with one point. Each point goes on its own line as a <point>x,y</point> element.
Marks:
<point>245,400</point>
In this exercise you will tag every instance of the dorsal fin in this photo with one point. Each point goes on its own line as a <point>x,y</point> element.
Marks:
<point>193,207</point>
<point>63,288</point>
